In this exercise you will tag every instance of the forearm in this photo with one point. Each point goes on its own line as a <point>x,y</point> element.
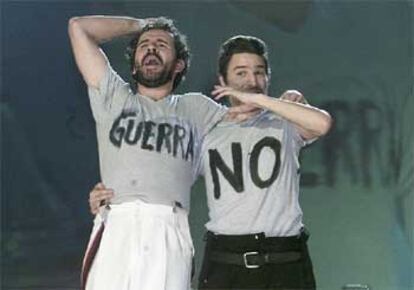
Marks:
<point>87,32</point>
<point>104,28</point>
<point>313,121</point>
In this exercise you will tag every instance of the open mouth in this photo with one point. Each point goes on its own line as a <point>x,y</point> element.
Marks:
<point>152,60</point>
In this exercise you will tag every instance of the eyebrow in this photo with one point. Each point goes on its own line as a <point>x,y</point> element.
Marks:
<point>245,66</point>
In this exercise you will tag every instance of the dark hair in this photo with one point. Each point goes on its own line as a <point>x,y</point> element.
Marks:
<point>180,43</point>
<point>241,44</point>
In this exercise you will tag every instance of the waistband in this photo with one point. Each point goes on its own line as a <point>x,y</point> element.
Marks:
<point>257,241</point>
<point>138,208</point>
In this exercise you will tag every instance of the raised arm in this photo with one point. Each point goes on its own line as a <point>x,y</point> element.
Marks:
<point>86,33</point>
<point>310,121</point>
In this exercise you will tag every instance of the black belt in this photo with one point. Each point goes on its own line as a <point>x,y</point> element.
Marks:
<point>254,260</point>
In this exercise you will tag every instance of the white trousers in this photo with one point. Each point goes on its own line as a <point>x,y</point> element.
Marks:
<point>143,247</point>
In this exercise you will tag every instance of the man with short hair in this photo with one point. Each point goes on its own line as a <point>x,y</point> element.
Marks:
<point>149,144</point>
<point>256,238</point>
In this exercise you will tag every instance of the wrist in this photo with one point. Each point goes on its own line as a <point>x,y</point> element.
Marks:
<point>259,100</point>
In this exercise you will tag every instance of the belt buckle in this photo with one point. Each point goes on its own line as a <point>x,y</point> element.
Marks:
<point>246,263</point>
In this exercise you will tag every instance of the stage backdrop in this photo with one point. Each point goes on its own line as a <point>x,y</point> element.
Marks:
<point>353,58</point>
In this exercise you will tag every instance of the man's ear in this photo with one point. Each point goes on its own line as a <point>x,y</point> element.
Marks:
<point>179,66</point>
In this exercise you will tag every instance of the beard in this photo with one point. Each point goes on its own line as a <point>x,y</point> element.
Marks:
<point>153,79</point>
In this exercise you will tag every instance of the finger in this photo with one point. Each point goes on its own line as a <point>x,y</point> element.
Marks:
<point>98,192</point>
<point>97,201</point>
<point>298,98</point>
<point>102,196</point>
<point>220,89</point>
<point>283,97</point>
<point>99,185</point>
<point>221,81</point>
<point>94,207</point>
<point>288,97</point>
<point>216,92</point>
<point>220,95</point>
<point>295,98</point>
<point>296,92</point>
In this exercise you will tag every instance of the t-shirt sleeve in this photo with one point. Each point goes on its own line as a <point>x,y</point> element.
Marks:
<point>109,98</point>
<point>294,133</point>
<point>206,112</point>
<point>199,168</point>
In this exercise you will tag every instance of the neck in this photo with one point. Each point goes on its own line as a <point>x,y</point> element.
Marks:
<point>157,93</point>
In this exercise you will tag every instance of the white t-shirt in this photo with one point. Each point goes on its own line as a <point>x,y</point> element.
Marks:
<point>252,175</point>
<point>149,149</point>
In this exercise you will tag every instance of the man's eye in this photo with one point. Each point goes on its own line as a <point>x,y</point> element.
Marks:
<point>241,73</point>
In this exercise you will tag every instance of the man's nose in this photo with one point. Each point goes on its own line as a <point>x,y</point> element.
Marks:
<point>252,80</point>
<point>151,48</point>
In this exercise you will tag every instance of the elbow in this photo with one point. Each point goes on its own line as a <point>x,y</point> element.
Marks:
<point>325,124</point>
<point>73,21</point>
<point>74,25</point>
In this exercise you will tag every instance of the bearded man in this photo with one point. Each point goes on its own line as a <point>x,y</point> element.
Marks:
<point>148,149</point>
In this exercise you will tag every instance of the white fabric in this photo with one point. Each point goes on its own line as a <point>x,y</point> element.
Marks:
<point>252,208</point>
<point>143,247</point>
<point>148,149</point>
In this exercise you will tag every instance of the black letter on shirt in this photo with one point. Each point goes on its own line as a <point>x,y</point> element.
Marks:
<point>164,135</point>
<point>117,132</point>
<point>129,132</point>
<point>179,135</point>
<point>147,134</point>
<point>190,147</point>
<point>234,178</point>
<point>273,144</point>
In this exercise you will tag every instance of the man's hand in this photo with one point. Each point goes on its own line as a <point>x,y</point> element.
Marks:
<point>240,112</point>
<point>294,96</point>
<point>100,195</point>
<point>244,97</point>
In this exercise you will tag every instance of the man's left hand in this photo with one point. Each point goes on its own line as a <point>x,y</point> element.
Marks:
<point>294,96</point>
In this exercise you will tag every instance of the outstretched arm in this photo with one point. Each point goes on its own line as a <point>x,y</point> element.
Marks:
<point>88,32</point>
<point>311,121</point>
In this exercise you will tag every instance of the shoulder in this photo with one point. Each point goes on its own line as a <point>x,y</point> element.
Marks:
<point>194,96</point>
<point>199,100</point>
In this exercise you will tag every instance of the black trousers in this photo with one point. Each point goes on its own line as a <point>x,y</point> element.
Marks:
<point>292,275</point>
